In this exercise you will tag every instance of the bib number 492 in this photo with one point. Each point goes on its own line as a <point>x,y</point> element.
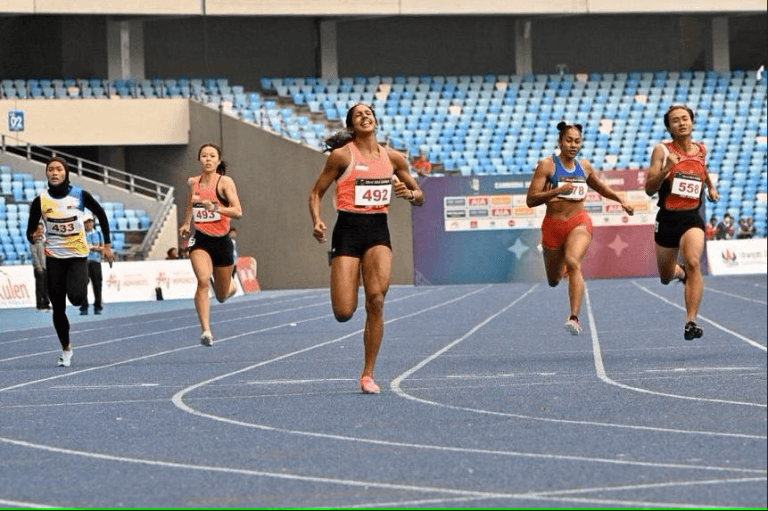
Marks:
<point>373,192</point>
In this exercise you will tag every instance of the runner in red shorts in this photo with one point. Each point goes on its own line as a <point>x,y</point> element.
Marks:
<point>560,182</point>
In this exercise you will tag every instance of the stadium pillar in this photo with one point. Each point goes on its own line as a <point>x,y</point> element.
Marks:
<point>329,57</point>
<point>125,49</point>
<point>721,51</point>
<point>523,47</point>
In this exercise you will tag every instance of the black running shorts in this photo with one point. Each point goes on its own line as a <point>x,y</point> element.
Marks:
<point>355,233</point>
<point>671,225</point>
<point>220,248</point>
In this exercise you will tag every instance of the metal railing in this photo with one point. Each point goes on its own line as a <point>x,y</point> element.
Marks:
<point>106,175</point>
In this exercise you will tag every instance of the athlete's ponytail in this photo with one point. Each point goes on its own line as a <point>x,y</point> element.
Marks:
<point>338,139</point>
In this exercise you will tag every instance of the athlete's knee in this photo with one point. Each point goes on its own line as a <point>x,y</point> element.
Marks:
<point>343,317</point>
<point>375,303</point>
<point>572,264</point>
<point>665,280</point>
<point>692,266</point>
<point>552,282</point>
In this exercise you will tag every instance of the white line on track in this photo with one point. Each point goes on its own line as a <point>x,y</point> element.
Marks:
<point>713,323</point>
<point>557,495</point>
<point>450,491</point>
<point>97,387</point>
<point>164,320</point>
<point>184,313</point>
<point>25,504</point>
<point>178,400</point>
<point>395,386</point>
<point>711,290</point>
<point>603,375</point>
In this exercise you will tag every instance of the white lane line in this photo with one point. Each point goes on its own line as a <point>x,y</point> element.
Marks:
<point>215,311</point>
<point>713,323</point>
<point>146,334</point>
<point>395,386</point>
<point>545,495</point>
<point>193,346</point>
<point>294,382</point>
<point>701,369</point>
<point>26,504</point>
<point>711,290</point>
<point>98,387</point>
<point>601,373</point>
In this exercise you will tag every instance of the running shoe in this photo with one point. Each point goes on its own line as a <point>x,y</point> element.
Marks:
<point>368,386</point>
<point>65,359</point>
<point>692,331</point>
<point>572,325</point>
<point>83,312</point>
<point>206,338</point>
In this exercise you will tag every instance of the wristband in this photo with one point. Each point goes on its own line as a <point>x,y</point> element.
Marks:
<point>413,197</point>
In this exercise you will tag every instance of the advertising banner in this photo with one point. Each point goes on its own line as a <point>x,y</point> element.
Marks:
<point>478,229</point>
<point>130,281</point>
<point>736,257</point>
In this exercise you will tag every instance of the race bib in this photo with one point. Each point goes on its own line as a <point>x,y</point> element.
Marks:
<point>61,226</point>
<point>578,192</point>
<point>686,185</point>
<point>373,192</point>
<point>201,215</point>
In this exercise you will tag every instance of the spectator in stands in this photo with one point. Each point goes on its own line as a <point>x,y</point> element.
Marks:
<point>560,182</point>
<point>746,228</point>
<point>61,208</point>
<point>211,203</point>
<point>172,253</point>
<point>422,165</point>
<point>725,228</point>
<point>38,264</point>
<point>678,172</point>
<point>95,242</point>
<point>751,227</point>
<point>365,173</point>
<point>711,228</point>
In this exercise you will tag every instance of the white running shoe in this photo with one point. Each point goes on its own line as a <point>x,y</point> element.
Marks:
<point>65,359</point>
<point>572,326</point>
<point>206,338</point>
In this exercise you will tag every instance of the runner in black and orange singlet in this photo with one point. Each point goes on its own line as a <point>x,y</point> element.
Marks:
<point>678,172</point>
<point>211,203</point>
<point>560,182</point>
<point>367,176</point>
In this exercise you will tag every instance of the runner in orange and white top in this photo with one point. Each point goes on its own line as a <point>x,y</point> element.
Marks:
<point>678,172</point>
<point>560,182</point>
<point>211,203</point>
<point>368,177</point>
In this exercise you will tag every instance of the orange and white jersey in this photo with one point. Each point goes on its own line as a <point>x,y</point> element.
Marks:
<point>366,185</point>
<point>212,223</point>
<point>64,224</point>
<point>684,188</point>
